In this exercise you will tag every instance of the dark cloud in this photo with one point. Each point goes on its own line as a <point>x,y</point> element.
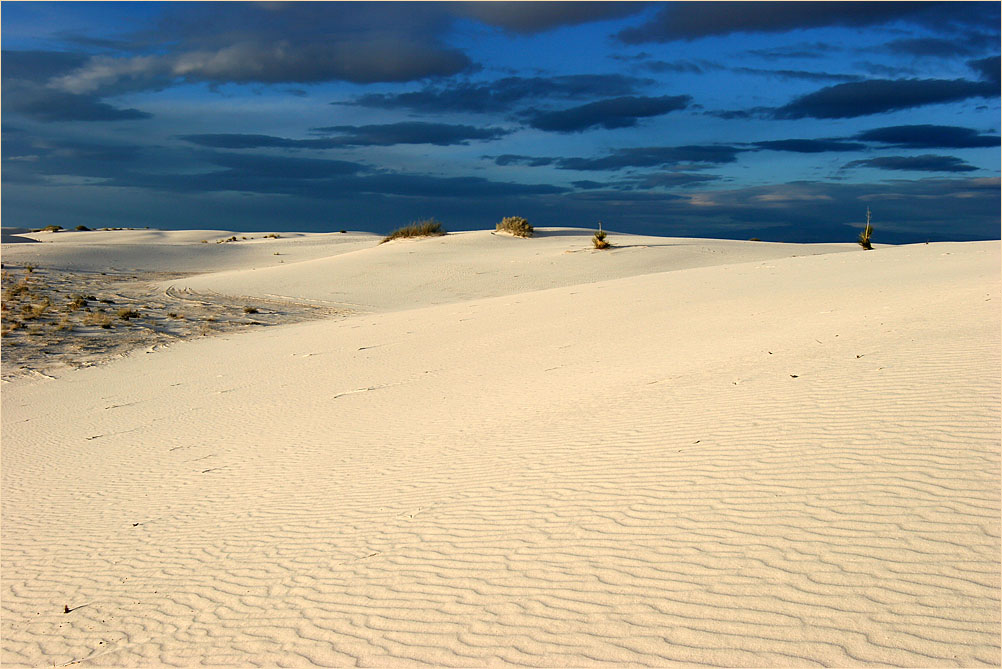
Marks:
<point>410,132</point>
<point>797,74</point>
<point>42,103</point>
<point>451,187</point>
<point>25,91</point>
<point>588,185</point>
<point>289,43</point>
<point>679,66</point>
<point>281,61</point>
<point>654,156</point>
<point>300,177</point>
<point>929,137</point>
<point>674,179</point>
<point>283,167</point>
<point>987,68</point>
<point>502,94</point>
<point>38,66</point>
<point>245,141</point>
<point>935,46</point>
<point>530,161</point>
<point>439,134</point>
<point>880,95</point>
<point>693,20</point>
<point>809,145</point>
<point>924,163</point>
<point>802,50</point>
<point>534,17</point>
<point>621,112</point>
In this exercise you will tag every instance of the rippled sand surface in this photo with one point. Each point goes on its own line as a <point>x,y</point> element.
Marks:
<point>754,459</point>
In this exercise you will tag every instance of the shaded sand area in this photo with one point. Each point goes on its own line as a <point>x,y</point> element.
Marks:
<point>676,452</point>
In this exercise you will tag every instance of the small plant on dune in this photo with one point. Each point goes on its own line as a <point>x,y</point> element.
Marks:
<point>427,228</point>
<point>125,313</point>
<point>599,238</point>
<point>250,310</point>
<point>515,225</point>
<point>864,237</point>
<point>82,228</point>
<point>271,236</point>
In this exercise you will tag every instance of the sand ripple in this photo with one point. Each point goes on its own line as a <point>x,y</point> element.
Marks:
<point>819,494</point>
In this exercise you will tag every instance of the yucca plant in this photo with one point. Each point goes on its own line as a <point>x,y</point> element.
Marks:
<point>864,237</point>
<point>599,238</point>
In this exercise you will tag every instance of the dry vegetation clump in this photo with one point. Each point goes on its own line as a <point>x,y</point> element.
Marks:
<point>515,225</point>
<point>598,239</point>
<point>78,301</point>
<point>125,313</point>
<point>426,228</point>
<point>98,318</point>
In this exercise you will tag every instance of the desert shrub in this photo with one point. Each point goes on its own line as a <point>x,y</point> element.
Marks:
<point>864,237</point>
<point>250,310</point>
<point>125,313</point>
<point>271,236</point>
<point>82,228</point>
<point>52,228</point>
<point>426,228</point>
<point>515,225</point>
<point>598,239</point>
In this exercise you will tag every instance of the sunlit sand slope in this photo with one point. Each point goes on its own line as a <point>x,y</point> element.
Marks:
<point>408,273</point>
<point>771,463</point>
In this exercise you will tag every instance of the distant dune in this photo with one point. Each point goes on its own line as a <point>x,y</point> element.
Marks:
<point>517,451</point>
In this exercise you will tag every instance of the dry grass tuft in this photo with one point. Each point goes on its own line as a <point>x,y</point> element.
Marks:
<point>98,318</point>
<point>427,228</point>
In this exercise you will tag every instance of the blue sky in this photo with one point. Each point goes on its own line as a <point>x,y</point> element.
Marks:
<point>782,121</point>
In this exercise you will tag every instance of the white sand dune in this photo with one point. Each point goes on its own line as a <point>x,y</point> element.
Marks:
<point>408,273</point>
<point>702,452</point>
<point>175,250</point>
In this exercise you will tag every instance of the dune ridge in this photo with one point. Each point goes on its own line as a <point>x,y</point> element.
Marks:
<point>779,461</point>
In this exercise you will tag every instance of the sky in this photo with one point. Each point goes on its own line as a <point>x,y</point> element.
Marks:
<point>780,121</point>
